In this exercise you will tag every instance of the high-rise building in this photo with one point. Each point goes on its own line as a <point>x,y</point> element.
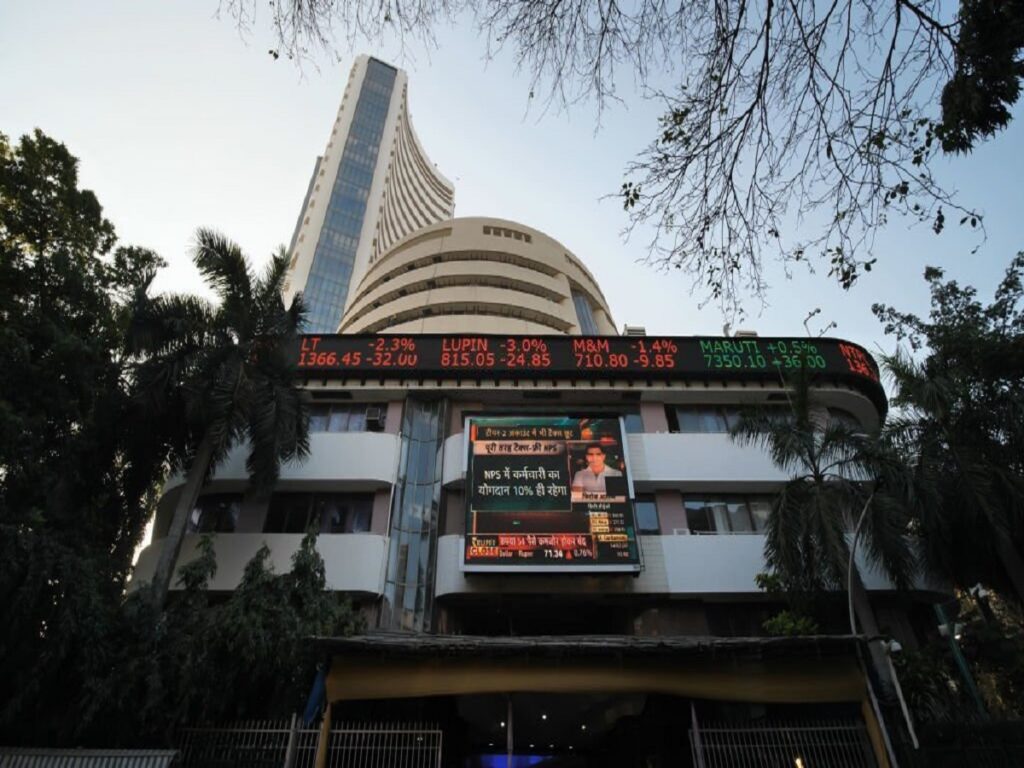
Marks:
<point>550,519</point>
<point>372,186</point>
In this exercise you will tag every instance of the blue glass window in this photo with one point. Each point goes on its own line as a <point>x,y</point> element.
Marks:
<point>334,257</point>
<point>588,326</point>
<point>646,514</point>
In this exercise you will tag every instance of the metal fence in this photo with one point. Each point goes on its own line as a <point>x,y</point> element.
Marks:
<point>256,743</point>
<point>29,757</point>
<point>410,745</point>
<point>283,744</point>
<point>819,744</point>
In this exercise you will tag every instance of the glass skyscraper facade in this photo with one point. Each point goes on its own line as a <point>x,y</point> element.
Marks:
<point>334,258</point>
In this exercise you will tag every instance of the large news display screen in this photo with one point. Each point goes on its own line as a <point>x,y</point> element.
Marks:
<point>467,357</point>
<point>548,493</point>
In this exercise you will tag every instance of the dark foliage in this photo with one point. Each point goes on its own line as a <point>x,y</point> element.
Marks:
<point>76,475</point>
<point>224,373</point>
<point>205,660</point>
<point>961,422</point>
<point>88,430</point>
<point>836,473</point>
<point>986,83</point>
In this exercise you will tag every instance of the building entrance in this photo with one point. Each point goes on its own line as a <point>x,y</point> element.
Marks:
<point>524,730</point>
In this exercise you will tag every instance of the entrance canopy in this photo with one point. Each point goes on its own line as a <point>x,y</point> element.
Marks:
<point>765,670</point>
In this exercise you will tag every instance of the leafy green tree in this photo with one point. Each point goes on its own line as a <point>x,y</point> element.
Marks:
<point>793,621</point>
<point>986,81</point>
<point>101,387</point>
<point>261,634</point>
<point>962,423</point>
<point>839,477</point>
<point>993,643</point>
<point>206,661</point>
<point>224,372</point>
<point>991,640</point>
<point>77,476</point>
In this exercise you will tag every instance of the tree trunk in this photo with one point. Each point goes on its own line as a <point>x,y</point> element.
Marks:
<point>1012,562</point>
<point>869,628</point>
<point>161,584</point>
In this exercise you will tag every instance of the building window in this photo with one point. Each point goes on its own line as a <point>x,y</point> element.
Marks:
<point>334,256</point>
<point>322,512</point>
<point>712,419</point>
<point>727,514</point>
<point>215,513</point>
<point>646,514</point>
<point>346,417</point>
<point>341,513</point>
<point>585,314</point>
<point>702,419</point>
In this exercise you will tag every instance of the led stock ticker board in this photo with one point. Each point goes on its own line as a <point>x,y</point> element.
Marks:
<point>467,356</point>
<point>548,493</point>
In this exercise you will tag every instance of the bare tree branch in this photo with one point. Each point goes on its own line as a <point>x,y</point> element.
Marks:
<point>797,130</point>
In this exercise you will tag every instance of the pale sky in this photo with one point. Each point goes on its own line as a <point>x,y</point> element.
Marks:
<point>179,122</point>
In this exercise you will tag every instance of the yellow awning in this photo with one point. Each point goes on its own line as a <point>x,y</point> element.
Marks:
<point>788,680</point>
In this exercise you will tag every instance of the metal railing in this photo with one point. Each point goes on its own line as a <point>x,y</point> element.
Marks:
<point>284,744</point>
<point>256,743</point>
<point>818,744</point>
<point>410,745</point>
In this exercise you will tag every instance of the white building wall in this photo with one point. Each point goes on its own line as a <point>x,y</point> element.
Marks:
<point>357,459</point>
<point>354,562</point>
<point>476,274</point>
<point>706,462</point>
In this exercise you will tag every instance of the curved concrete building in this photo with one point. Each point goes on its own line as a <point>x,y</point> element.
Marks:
<point>489,275</point>
<point>373,186</point>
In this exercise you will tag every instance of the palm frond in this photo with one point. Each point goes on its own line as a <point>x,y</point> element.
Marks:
<point>223,265</point>
<point>916,386</point>
<point>886,542</point>
<point>789,446</point>
<point>297,312</point>
<point>278,431</point>
<point>168,324</point>
<point>270,283</point>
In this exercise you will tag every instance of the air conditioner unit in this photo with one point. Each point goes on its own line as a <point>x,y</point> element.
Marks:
<point>375,418</point>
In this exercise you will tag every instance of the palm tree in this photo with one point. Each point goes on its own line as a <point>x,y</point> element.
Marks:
<point>839,477</point>
<point>217,374</point>
<point>962,441</point>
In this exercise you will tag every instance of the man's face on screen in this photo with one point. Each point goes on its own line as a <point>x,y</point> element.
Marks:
<point>595,460</point>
